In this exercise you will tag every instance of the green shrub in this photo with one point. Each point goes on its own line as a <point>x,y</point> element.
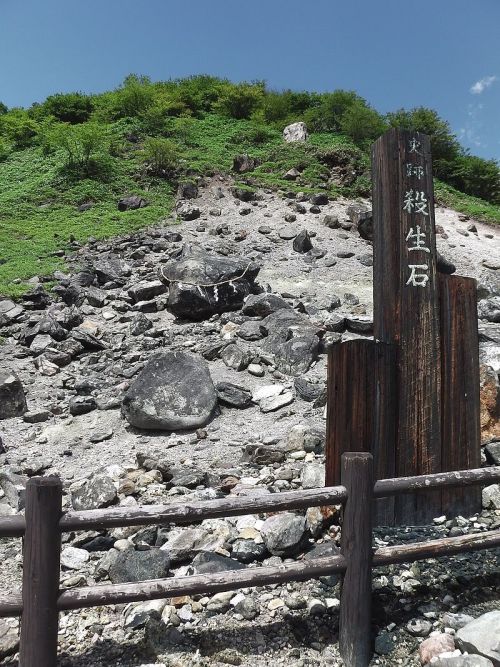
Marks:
<point>69,107</point>
<point>327,113</point>
<point>362,123</point>
<point>86,146</point>
<point>477,177</point>
<point>3,108</point>
<point>162,156</point>
<point>239,101</point>
<point>5,149</point>
<point>133,97</point>
<point>17,127</point>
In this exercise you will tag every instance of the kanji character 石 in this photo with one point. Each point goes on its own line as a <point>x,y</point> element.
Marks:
<point>418,237</point>
<point>418,279</point>
<point>415,202</point>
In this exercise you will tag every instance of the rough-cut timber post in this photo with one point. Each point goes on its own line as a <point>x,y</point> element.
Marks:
<point>405,303</point>
<point>356,542</point>
<point>361,412</point>
<point>460,403</point>
<point>41,564</point>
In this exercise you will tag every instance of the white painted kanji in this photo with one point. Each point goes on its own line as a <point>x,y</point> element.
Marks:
<point>414,145</point>
<point>417,237</point>
<point>417,279</point>
<point>415,170</point>
<point>415,201</point>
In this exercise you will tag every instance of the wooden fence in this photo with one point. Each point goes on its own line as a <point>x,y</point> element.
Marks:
<point>44,522</point>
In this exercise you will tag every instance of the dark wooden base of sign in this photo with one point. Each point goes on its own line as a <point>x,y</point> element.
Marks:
<point>460,403</point>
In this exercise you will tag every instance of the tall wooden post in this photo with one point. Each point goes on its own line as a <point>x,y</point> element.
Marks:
<point>355,641</point>
<point>41,565</point>
<point>405,303</point>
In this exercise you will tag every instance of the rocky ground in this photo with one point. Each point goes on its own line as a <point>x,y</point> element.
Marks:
<point>131,380</point>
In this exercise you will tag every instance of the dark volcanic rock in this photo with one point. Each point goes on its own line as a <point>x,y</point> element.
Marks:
<point>361,216</point>
<point>187,190</point>
<point>131,565</point>
<point>243,163</point>
<point>234,395</point>
<point>12,398</point>
<point>292,339</point>
<point>208,563</point>
<point>174,391</point>
<point>202,284</point>
<point>302,242</point>
<point>109,269</point>
<point>445,266</point>
<point>131,203</point>
<point>263,304</point>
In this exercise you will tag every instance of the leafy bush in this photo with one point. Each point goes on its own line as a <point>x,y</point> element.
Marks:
<point>3,108</point>
<point>133,97</point>
<point>69,108</point>
<point>198,93</point>
<point>327,114</point>
<point>17,127</point>
<point>85,146</point>
<point>477,177</point>
<point>5,149</point>
<point>239,101</point>
<point>362,123</point>
<point>162,156</point>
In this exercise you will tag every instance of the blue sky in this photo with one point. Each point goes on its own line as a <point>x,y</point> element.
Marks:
<point>443,54</point>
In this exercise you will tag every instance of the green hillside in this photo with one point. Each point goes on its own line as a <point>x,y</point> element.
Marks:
<point>144,138</point>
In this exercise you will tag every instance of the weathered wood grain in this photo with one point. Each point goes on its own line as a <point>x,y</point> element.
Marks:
<point>356,543</point>
<point>362,409</point>
<point>405,314</point>
<point>41,565</point>
<point>12,526</point>
<point>455,479</point>
<point>189,512</point>
<point>448,546</point>
<point>200,584</point>
<point>460,402</point>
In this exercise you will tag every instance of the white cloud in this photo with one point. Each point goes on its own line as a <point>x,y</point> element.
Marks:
<point>481,85</point>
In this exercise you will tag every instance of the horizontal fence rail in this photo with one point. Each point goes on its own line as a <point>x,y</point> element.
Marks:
<point>117,517</point>
<point>42,600</point>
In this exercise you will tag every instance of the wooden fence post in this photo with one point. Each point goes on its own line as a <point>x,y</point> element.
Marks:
<point>41,566</point>
<point>356,542</point>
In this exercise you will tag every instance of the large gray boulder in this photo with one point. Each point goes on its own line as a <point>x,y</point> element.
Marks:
<point>202,284</point>
<point>12,398</point>
<point>173,392</point>
<point>295,132</point>
<point>482,636</point>
<point>292,339</point>
<point>284,533</point>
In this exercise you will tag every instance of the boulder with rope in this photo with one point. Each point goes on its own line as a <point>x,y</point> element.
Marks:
<point>202,284</point>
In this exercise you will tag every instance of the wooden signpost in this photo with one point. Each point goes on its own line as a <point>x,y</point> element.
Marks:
<point>410,396</point>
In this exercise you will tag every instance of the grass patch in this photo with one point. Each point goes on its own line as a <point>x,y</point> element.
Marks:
<point>39,214</point>
<point>459,201</point>
<point>39,195</point>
